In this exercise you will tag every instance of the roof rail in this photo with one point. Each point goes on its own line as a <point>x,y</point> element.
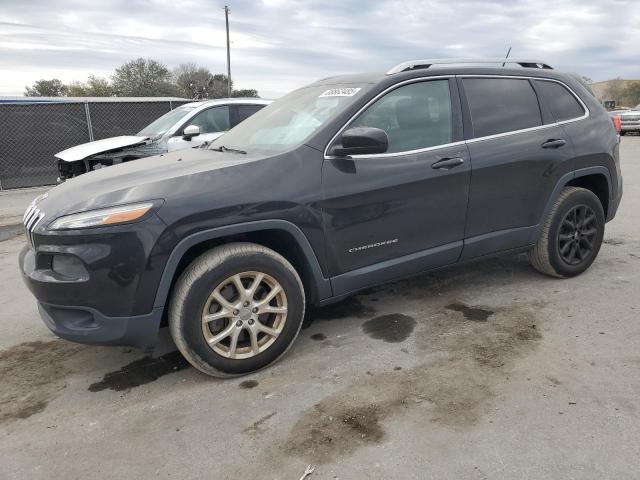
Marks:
<point>416,64</point>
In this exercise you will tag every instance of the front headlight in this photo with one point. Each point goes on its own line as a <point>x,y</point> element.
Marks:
<point>102,217</point>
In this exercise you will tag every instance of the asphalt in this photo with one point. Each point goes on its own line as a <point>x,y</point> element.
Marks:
<point>13,203</point>
<point>488,370</point>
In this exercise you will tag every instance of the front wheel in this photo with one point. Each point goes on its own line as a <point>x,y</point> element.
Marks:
<point>236,309</point>
<point>571,236</point>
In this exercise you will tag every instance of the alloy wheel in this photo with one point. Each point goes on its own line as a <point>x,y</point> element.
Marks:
<point>577,234</point>
<point>244,315</point>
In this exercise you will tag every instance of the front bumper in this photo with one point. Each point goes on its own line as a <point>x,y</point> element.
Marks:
<point>86,325</point>
<point>630,127</point>
<point>98,286</point>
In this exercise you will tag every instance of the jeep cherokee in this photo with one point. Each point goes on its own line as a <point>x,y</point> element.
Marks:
<point>347,183</point>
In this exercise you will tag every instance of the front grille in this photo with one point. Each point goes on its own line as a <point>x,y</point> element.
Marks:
<point>630,118</point>
<point>32,217</point>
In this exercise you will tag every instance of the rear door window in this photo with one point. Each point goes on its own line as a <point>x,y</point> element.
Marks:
<point>561,102</point>
<point>242,112</point>
<point>501,105</point>
<point>415,116</point>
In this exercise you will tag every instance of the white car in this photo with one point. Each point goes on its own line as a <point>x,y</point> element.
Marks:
<point>630,120</point>
<point>186,126</point>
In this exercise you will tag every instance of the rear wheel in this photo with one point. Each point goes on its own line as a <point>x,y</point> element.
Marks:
<point>571,236</point>
<point>236,309</point>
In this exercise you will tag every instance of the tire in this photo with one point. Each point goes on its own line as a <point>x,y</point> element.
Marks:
<point>552,254</point>
<point>208,288</point>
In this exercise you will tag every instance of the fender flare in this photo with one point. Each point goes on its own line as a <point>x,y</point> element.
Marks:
<point>321,284</point>
<point>566,178</point>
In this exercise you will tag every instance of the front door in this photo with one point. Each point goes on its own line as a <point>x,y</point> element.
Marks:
<point>212,122</point>
<point>397,213</point>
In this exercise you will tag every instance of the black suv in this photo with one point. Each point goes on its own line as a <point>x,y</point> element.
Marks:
<point>347,183</point>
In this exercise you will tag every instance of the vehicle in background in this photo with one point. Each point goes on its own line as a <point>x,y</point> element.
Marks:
<point>629,120</point>
<point>186,126</point>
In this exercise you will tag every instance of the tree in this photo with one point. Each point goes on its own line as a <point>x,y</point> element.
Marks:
<point>194,82</point>
<point>94,87</point>
<point>46,88</point>
<point>614,90</point>
<point>99,87</point>
<point>631,94</point>
<point>143,78</point>
<point>77,89</point>
<point>247,92</point>
<point>220,86</point>
<point>199,83</point>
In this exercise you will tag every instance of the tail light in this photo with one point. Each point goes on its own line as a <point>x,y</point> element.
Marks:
<point>617,123</point>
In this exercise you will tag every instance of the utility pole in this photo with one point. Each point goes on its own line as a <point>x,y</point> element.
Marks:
<point>226,19</point>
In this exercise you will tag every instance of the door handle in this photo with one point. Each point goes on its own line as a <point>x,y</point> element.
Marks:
<point>448,163</point>
<point>555,143</point>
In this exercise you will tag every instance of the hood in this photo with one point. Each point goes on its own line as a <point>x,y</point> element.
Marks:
<point>150,178</point>
<point>80,152</point>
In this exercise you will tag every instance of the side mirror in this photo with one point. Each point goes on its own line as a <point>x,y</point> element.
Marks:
<point>191,131</point>
<point>360,141</point>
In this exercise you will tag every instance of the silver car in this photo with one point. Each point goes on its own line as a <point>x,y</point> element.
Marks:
<point>630,120</point>
<point>186,126</point>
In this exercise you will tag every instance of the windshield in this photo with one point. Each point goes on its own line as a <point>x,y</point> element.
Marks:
<point>291,120</point>
<point>165,122</point>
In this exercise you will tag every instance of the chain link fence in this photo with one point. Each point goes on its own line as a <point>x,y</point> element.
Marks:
<point>31,133</point>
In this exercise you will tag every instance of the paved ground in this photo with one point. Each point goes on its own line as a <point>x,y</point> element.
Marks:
<point>483,371</point>
<point>14,202</point>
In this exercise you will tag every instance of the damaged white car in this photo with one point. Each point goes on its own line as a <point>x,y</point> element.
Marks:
<point>186,126</point>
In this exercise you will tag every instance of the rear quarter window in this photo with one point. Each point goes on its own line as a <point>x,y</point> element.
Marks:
<point>562,103</point>
<point>500,105</point>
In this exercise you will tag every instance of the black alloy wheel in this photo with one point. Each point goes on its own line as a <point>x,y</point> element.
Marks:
<point>576,235</point>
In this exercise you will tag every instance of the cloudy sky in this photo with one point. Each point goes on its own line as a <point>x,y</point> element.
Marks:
<point>278,45</point>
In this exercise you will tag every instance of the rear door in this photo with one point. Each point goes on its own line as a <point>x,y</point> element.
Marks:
<point>517,154</point>
<point>395,213</point>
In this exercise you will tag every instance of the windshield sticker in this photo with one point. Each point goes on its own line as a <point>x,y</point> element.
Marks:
<point>340,92</point>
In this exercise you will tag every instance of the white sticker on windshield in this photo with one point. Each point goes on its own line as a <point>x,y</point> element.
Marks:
<point>340,92</point>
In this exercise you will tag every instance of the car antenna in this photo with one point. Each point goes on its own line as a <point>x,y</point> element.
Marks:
<point>507,56</point>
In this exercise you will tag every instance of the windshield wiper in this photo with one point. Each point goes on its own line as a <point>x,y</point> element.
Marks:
<point>222,148</point>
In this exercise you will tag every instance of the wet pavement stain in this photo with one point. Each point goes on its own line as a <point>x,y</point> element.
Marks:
<point>331,429</point>
<point>393,328</point>
<point>31,374</point>
<point>350,307</point>
<point>140,372</point>
<point>318,337</point>
<point>475,314</point>
<point>453,389</point>
<point>248,384</point>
